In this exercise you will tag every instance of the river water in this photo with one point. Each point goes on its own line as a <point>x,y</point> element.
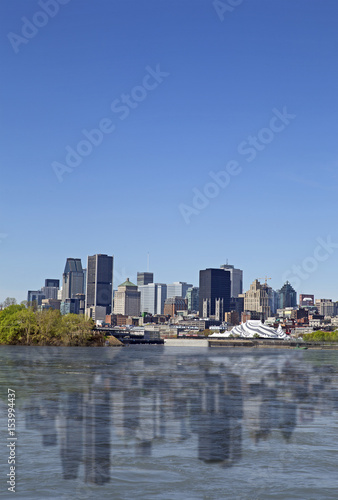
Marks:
<point>168,423</point>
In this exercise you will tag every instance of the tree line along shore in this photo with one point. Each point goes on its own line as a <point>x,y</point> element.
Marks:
<point>21,325</point>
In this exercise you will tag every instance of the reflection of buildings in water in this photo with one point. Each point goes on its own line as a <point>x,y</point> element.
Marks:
<point>96,449</point>
<point>176,398</point>
<point>219,429</point>
<point>288,419</point>
<point>41,416</point>
<point>71,434</point>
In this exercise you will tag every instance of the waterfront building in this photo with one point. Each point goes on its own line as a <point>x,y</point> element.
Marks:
<point>127,299</point>
<point>192,297</point>
<point>178,289</point>
<point>145,278</point>
<point>72,279</point>
<point>257,300</point>
<point>287,296</point>
<point>236,277</point>
<point>99,291</point>
<point>214,284</point>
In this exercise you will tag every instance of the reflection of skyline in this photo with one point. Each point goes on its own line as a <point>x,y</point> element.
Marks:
<point>208,401</point>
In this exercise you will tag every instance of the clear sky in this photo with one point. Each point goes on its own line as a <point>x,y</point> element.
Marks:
<point>181,88</point>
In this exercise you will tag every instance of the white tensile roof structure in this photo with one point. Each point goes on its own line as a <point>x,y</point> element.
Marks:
<point>251,328</point>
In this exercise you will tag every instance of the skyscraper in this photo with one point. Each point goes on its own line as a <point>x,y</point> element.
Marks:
<point>51,288</point>
<point>153,297</point>
<point>257,300</point>
<point>236,276</point>
<point>193,300</point>
<point>127,299</point>
<point>178,289</point>
<point>214,293</point>
<point>72,279</point>
<point>100,281</point>
<point>145,278</point>
<point>287,296</point>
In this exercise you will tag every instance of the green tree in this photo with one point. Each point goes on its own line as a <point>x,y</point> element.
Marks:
<point>28,323</point>
<point>48,326</point>
<point>10,301</point>
<point>10,327</point>
<point>76,329</point>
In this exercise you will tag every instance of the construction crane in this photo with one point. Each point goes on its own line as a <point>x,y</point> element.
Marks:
<point>266,280</point>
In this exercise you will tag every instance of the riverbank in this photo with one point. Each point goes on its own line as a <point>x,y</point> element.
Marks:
<point>275,344</point>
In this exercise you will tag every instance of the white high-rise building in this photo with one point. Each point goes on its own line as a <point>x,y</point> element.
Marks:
<point>153,297</point>
<point>178,289</point>
<point>236,277</point>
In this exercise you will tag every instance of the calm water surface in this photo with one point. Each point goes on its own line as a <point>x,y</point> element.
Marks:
<point>171,423</point>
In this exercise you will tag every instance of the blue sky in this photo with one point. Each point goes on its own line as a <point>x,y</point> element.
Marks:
<point>223,79</point>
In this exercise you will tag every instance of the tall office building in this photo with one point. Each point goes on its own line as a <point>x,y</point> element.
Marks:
<point>161,297</point>
<point>257,300</point>
<point>273,298</point>
<point>145,278</point>
<point>72,279</point>
<point>178,289</point>
<point>127,299</point>
<point>287,296</point>
<point>214,293</point>
<point>236,276</point>
<point>51,288</point>
<point>153,297</point>
<point>100,281</point>
<point>193,299</point>
<point>35,297</point>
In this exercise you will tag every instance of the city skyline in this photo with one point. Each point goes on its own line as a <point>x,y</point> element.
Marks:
<point>131,125</point>
<point>118,279</point>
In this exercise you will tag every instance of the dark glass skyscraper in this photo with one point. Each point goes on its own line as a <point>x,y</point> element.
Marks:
<point>72,279</point>
<point>100,281</point>
<point>145,278</point>
<point>287,296</point>
<point>214,290</point>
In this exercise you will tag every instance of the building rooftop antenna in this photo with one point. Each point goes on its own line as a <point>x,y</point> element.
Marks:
<point>148,262</point>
